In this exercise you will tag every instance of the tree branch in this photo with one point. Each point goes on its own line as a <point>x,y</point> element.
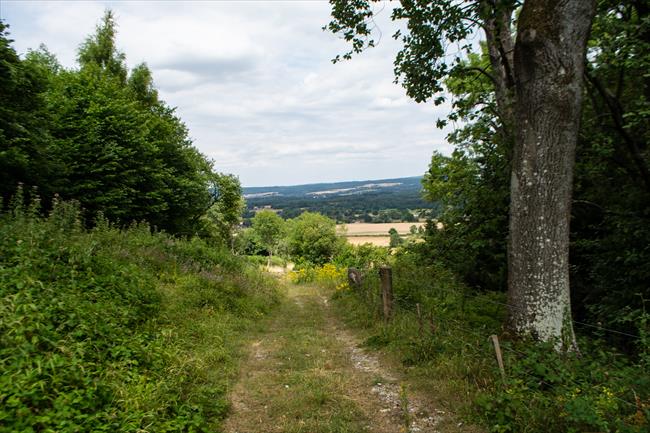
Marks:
<point>483,72</point>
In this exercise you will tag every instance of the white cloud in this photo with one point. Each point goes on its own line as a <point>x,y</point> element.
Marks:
<point>255,84</point>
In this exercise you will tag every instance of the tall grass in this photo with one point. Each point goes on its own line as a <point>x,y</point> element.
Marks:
<point>446,351</point>
<point>117,330</point>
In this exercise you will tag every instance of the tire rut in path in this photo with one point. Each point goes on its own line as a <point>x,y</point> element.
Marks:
<point>306,373</point>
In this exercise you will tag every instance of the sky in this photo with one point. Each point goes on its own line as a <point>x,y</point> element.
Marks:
<point>254,83</point>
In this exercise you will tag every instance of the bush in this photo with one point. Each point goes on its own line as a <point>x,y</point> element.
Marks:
<point>105,330</point>
<point>328,275</point>
<point>363,256</point>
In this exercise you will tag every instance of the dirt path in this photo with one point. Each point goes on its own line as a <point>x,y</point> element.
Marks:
<point>305,373</point>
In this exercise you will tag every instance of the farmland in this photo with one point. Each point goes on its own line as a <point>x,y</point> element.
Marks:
<point>371,201</point>
<point>373,233</point>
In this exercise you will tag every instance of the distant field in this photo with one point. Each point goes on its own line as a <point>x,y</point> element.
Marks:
<point>380,241</point>
<point>379,229</point>
<point>376,234</point>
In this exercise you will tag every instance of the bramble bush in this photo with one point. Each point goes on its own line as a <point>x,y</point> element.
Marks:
<point>116,330</point>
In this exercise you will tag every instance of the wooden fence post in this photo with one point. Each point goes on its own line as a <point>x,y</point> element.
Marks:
<point>497,350</point>
<point>420,322</point>
<point>386,275</point>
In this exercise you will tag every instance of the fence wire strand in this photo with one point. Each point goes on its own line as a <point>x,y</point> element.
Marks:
<point>480,337</point>
<point>601,328</point>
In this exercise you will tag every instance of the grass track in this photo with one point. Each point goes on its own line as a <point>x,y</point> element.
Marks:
<point>306,374</point>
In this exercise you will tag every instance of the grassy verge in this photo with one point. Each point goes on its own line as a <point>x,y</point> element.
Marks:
<point>118,330</point>
<point>448,354</point>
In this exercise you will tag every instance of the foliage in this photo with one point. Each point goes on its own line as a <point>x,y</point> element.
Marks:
<point>395,239</point>
<point>248,243</point>
<point>223,217</point>
<point>267,261</point>
<point>420,64</point>
<point>611,214</point>
<point>127,157</point>
<point>472,186</point>
<point>101,136</point>
<point>363,256</point>
<point>312,238</point>
<point>448,350</point>
<point>328,275</point>
<point>100,50</point>
<point>116,330</point>
<point>269,229</point>
<point>24,138</point>
<point>588,393</point>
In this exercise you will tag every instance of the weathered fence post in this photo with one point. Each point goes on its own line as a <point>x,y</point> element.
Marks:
<point>386,275</point>
<point>497,350</point>
<point>354,278</point>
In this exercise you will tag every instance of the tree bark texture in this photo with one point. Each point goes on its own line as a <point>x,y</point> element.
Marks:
<point>500,44</point>
<point>549,61</point>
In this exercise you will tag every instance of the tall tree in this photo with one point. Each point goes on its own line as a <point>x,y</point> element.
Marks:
<point>24,123</point>
<point>100,50</point>
<point>549,62</point>
<point>537,75</point>
<point>123,151</point>
<point>225,214</point>
<point>269,228</point>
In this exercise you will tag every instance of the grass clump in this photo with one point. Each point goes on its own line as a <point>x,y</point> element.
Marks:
<point>117,330</point>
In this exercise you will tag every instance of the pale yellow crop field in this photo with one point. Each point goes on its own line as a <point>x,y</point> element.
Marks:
<point>376,234</point>
<point>379,241</point>
<point>377,229</point>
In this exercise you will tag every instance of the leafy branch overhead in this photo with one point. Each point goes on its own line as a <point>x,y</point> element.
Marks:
<point>435,37</point>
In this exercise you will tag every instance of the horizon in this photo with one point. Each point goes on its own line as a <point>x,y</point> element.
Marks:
<point>332,182</point>
<point>255,84</point>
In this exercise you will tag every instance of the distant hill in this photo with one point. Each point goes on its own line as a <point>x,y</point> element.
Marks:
<point>382,200</point>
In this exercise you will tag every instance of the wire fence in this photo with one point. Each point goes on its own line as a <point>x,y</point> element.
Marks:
<point>462,329</point>
<point>533,376</point>
<point>589,325</point>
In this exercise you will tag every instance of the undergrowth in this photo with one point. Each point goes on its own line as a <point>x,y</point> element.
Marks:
<point>447,352</point>
<point>117,330</point>
<point>328,275</point>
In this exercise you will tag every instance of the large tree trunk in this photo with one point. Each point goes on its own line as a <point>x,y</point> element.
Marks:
<point>549,64</point>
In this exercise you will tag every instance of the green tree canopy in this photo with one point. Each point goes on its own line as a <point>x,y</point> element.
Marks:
<point>269,229</point>
<point>395,239</point>
<point>312,237</point>
<point>101,136</point>
<point>225,214</point>
<point>100,52</point>
<point>25,152</point>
